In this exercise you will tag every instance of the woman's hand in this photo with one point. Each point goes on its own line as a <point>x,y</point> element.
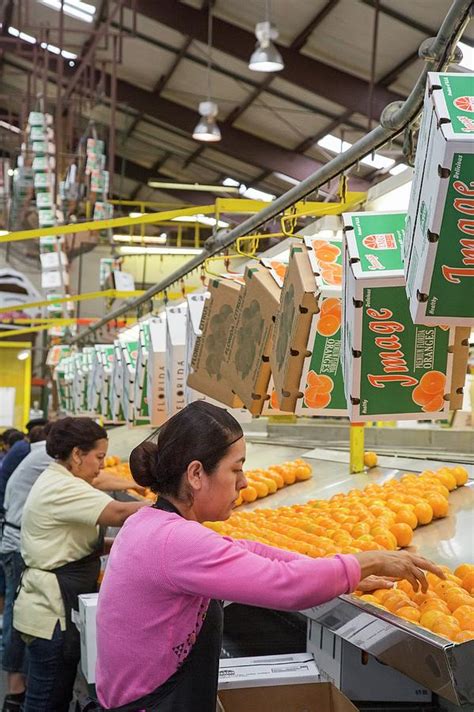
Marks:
<point>372,583</point>
<point>399,565</point>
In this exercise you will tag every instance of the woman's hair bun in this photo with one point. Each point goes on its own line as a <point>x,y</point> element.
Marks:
<point>144,463</point>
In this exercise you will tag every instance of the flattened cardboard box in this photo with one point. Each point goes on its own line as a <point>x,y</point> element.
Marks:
<point>248,348</point>
<point>206,374</point>
<point>322,382</point>
<point>298,304</point>
<point>393,369</point>
<point>439,265</point>
<point>175,347</point>
<point>156,370</point>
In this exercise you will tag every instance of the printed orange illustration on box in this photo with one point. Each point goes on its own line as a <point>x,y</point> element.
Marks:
<point>326,260</point>
<point>439,252</point>
<point>392,367</point>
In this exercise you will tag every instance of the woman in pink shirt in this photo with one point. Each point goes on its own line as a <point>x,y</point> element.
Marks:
<point>159,619</point>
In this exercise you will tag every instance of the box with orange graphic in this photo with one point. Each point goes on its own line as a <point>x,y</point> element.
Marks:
<point>325,255</point>
<point>246,366</point>
<point>439,264</point>
<point>393,369</point>
<point>298,304</point>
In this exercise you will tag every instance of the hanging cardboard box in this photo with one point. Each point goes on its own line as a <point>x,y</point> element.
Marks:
<point>116,390</point>
<point>393,369</point>
<point>439,265</point>
<point>129,361</point>
<point>247,352</point>
<point>298,304</point>
<point>142,411</point>
<point>156,370</point>
<point>322,382</point>
<point>460,366</point>
<point>175,350</point>
<point>206,373</point>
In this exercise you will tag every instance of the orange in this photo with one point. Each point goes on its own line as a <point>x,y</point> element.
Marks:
<point>429,619</point>
<point>465,617</point>
<point>332,305</point>
<point>434,605</point>
<point>360,529</point>
<point>463,569</point>
<point>420,396</point>
<point>381,594</point>
<point>438,504</point>
<point>407,516</point>
<point>328,324</point>
<point>327,253</point>
<point>447,479</point>
<point>410,613</point>
<point>370,459</point>
<point>319,243</point>
<point>395,600</point>
<point>403,533</point>
<point>441,588</point>
<point>248,494</point>
<point>458,597</point>
<point>404,585</point>
<point>368,598</point>
<point>447,629</point>
<point>423,513</point>
<point>433,382</point>
<point>387,540</point>
<point>460,474</point>
<point>464,636</point>
<point>468,581</point>
<point>435,404</point>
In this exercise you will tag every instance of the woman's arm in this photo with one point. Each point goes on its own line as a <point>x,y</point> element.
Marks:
<point>107,482</point>
<point>269,552</point>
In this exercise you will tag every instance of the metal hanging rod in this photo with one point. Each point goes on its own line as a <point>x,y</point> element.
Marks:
<point>395,118</point>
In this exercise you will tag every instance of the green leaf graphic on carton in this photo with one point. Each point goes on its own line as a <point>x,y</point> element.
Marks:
<point>248,336</point>
<point>286,322</point>
<point>216,341</point>
<point>423,217</point>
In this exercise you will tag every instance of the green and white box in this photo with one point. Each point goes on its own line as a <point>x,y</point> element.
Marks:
<point>439,264</point>
<point>156,370</point>
<point>196,304</point>
<point>116,390</point>
<point>393,369</point>
<point>175,354</point>
<point>104,383</point>
<point>129,363</point>
<point>325,255</point>
<point>141,384</point>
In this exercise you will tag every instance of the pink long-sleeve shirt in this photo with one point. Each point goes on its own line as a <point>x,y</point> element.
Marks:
<point>161,574</point>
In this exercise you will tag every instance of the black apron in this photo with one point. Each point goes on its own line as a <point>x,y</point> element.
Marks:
<point>193,687</point>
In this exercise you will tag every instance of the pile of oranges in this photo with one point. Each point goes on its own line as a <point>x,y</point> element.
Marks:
<point>261,483</point>
<point>447,608</point>
<point>115,466</point>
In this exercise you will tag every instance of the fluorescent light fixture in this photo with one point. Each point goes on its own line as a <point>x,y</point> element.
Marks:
<point>467,56</point>
<point>399,168</point>
<point>21,35</point>
<point>231,182</point>
<point>286,179</point>
<point>9,127</point>
<point>23,355</point>
<point>205,188</point>
<point>138,239</point>
<point>255,194</point>
<point>206,129</point>
<point>135,250</point>
<point>135,215</point>
<point>266,57</point>
<point>73,8</point>
<point>334,144</point>
<point>3,232</point>
<point>202,219</point>
<point>55,50</point>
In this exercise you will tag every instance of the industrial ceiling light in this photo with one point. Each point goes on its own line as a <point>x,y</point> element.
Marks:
<point>206,129</point>
<point>266,57</point>
<point>23,355</point>
<point>201,187</point>
<point>74,8</point>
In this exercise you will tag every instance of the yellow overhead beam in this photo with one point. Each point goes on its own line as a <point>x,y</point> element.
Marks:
<point>31,329</point>
<point>107,293</point>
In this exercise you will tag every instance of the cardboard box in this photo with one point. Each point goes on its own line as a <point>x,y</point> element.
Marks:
<point>460,366</point>
<point>358,674</point>
<point>298,304</point>
<point>206,374</point>
<point>249,344</point>
<point>313,697</point>
<point>156,370</point>
<point>277,269</point>
<point>196,303</point>
<point>116,388</point>
<point>322,383</point>
<point>439,264</point>
<point>267,671</point>
<point>393,369</point>
<point>129,362</point>
<point>142,411</point>
<point>104,381</point>
<point>175,351</point>
<point>86,624</point>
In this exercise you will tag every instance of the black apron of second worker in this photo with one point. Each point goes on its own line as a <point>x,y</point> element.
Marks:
<point>193,687</point>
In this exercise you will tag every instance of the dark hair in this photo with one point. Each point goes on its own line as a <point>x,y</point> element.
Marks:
<point>35,422</point>
<point>4,436</point>
<point>201,431</point>
<point>68,433</point>
<point>36,434</point>
<point>12,436</point>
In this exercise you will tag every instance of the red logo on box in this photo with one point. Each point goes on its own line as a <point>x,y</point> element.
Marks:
<point>381,241</point>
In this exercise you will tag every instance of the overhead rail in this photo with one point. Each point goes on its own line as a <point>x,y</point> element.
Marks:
<point>396,117</point>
